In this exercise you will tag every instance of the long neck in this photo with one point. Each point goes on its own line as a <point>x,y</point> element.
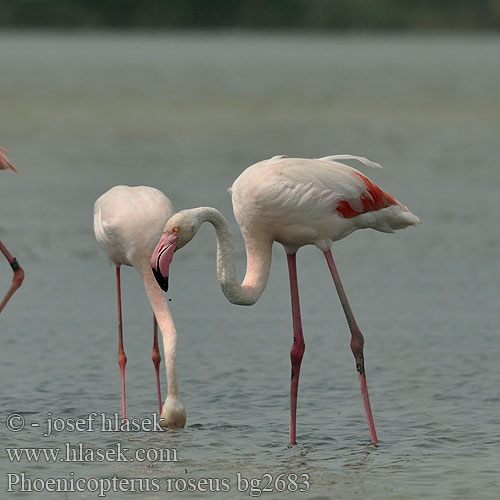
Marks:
<point>167,327</point>
<point>258,261</point>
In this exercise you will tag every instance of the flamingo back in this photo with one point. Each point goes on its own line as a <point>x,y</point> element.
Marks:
<point>128,222</point>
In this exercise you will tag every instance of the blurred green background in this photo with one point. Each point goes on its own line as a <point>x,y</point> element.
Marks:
<point>255,14</point>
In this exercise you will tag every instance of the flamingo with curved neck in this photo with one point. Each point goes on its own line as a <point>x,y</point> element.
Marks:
<point>296,202</point>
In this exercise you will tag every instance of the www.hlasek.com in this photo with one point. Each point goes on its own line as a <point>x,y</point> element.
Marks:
<point>267,483</point>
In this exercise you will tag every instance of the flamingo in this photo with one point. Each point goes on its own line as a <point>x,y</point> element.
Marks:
<point>295,202</point>
<point>127,223</point>
<point>18,277</point>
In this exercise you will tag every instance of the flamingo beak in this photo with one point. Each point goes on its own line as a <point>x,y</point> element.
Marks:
<point>162,257</point>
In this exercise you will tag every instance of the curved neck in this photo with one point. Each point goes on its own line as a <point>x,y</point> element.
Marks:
<point>258,261</point>
<point>167,327</point>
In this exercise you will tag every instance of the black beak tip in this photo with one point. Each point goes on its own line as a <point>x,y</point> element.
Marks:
<point>160,279</point>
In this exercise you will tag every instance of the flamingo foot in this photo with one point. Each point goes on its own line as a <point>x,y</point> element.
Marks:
<point>357,344</point>
<point>296,355</point>
<point>122,361</point>
<point>368,410</point>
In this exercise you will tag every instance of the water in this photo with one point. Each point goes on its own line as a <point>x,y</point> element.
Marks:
<point>186,113</point>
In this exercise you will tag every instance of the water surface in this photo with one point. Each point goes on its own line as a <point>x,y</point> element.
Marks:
<point>187,113</point>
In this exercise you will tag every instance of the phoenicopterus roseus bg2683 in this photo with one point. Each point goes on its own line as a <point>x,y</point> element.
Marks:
<point>128,222</point>
<point>296,202</point>
<point>18,277</point>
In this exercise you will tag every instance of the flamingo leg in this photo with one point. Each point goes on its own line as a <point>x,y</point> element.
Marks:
<point>357,343</point>
<point>298,347</point>
<point>156,360</point>
<point>17,278</point>
<point>122,358</point>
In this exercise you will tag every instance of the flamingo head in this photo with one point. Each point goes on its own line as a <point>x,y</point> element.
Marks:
<point>179,230</point>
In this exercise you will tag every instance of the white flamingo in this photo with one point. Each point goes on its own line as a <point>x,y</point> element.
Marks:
<point>18,277</point>
<point>296,202</point>
<point>127,223</point>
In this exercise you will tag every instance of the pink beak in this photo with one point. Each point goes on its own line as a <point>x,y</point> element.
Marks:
<point>162,257</point>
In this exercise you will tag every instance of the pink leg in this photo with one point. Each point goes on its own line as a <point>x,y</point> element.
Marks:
<point>298,347</point>
<point>357,342</point>
<point>16,280</point>
<point>156,360</point>
<point>122,358</point>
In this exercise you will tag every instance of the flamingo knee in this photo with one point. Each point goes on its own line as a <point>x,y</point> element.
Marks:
<point>357,344</point>
<point>122,359</point>
<point>296,355</point>
<point>156,357</point>
<point>18,278</point>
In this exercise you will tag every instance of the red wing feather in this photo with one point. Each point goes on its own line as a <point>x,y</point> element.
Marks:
<point>374,198</point>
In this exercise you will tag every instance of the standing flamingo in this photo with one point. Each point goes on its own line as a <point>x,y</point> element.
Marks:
<point>18,278</point>
<point>296,202</point>
<point>127,223</point>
